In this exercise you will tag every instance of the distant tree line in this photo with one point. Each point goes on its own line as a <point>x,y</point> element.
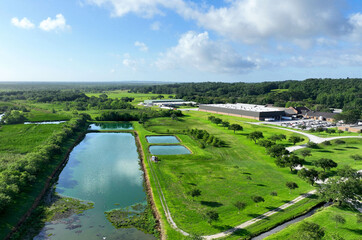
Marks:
<point>317,94</point>
<point>22,173</point>
<point>72,99</point>
<point>137,115</point>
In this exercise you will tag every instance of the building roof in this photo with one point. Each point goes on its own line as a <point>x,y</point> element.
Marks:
<point>290,111</point>
<point>162,100</point>
<point>245,107</point>
<point>320,114</point>
<point>302,110</point>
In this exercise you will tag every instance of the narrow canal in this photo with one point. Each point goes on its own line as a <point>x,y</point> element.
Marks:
<point>104,169</point>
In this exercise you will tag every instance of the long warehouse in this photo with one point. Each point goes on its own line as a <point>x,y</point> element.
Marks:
<point>258,112</point>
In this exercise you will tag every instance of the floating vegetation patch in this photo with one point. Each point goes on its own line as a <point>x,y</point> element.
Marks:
<point>63,207</point>
<point>138,216</point>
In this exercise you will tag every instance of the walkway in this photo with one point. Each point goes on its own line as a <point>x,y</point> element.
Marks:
<point>261,217</point>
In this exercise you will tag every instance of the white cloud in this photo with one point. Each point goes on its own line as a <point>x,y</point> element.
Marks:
<point>54,24</point>
<point>141,46</point>
<point>300,22</point>
<point>144,8</point>
<point>198,51</point>
<point>356,21</point>
<point>23,23</point>
<point>255,20</point>
<point>155,26</point>
<point>129,62</point>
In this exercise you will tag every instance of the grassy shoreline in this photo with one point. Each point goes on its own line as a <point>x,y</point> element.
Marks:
<point>19,211</point>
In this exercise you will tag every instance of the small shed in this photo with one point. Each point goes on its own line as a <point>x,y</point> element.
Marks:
<point>154,159</point>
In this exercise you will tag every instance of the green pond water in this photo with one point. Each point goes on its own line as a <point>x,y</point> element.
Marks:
<point>162,139</point>
<point>169,150</point>
<point>104,168</point>
<point>111,126</point>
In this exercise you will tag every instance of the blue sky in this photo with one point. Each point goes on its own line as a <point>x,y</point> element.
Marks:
<point>179,41</point>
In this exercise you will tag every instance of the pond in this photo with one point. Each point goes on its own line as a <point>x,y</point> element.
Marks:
<point>111,126</point>
<point>104,168</point>
<point>162,139</point>
<point>169,150</point>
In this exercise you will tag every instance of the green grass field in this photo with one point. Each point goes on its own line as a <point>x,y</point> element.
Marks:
<point>138,97</point>
<point>17,140</point>
<point>351,230</point>
<point>221,175</point>
<point>340,153</point>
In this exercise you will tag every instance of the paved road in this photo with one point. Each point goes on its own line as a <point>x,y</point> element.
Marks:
<point>311,137</point>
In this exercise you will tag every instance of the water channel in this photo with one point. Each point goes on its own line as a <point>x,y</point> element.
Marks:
<point>104,168</point>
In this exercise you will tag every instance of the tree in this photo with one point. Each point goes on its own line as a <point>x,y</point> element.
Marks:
<point>325,163</point>
<point>350,116</point>
<point>274,194</point>
<point>339,132</point>
<point>347,172</point>
<point>257,199</point>
<point>309,231</point>
<point>211,118</point>
<point>309,175</point>
<point>291,186</point>
<point>359,217</point>
<point>339,142</point>
<point>235,127</point>
<point>295,139</point>
<point>341,190</point>
<point>277,137</point>
<point>174,117</point>
<point>338,219</point>
<point>240,206</point>
<point>212,216</point>
<point>356,157</point>
<point>291,161</point>
<point>277,151</point>
<point>195,193</point>
<point>249,178</point>
<point>306,153</point>
<point>255,135</point>
<point>266,143</point>
<point>336,236</point>
<point>225,124</point>
<point>217,121</point>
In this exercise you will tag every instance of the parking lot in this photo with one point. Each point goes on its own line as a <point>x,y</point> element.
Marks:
<point>304,124</point>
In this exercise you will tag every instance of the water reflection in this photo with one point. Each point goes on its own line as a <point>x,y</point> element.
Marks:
<point>111,126</point>
<point>103,168</point>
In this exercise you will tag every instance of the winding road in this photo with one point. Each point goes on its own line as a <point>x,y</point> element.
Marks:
<point>312,138</point>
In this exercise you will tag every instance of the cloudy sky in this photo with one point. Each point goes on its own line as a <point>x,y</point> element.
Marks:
<point>179,40</point>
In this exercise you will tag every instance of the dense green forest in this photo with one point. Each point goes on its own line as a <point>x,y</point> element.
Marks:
<point>319,94</point>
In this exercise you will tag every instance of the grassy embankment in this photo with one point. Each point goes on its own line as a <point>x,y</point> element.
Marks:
<point>221,175</point>
<point>351,230</point>
<point>16,141</point>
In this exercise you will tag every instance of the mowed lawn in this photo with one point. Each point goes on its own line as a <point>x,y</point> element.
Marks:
<point>221,174</point>
<point>340,153</point>
<point>350,230</point>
